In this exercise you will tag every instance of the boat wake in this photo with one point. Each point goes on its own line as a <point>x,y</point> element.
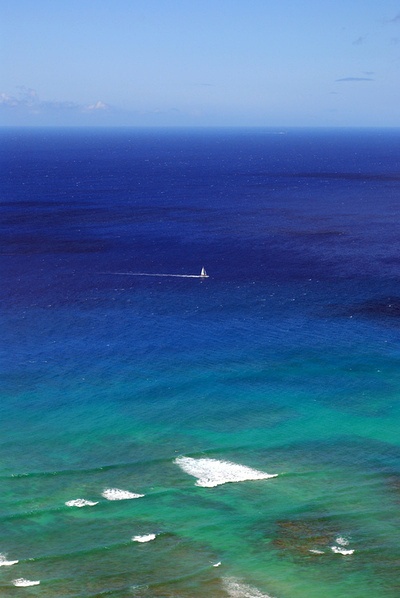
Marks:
<point>167,275</point>
<point>203,274</point>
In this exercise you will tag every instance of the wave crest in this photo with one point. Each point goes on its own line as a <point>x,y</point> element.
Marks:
<point>212,472</point>
<point>80,502</point>
<point>117,494</point>
<point>339,550</point>
<point>24,583</point>
<point>4,562</point>
<point>146,538</point>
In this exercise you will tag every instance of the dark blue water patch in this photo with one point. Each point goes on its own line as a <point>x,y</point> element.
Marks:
<point>350,176</point>
<point>385,307</point>
<point>382,309</point>
<point>157,202</point>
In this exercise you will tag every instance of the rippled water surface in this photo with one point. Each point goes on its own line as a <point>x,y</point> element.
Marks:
<point>177,437</point>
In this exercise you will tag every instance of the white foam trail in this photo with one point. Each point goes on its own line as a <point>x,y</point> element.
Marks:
<point>147,538</point>
<point>81,502</point>
<point>117,494</point>
<point>339,550</point>
<point>211,472</point>
<point>317,551</point>
<point>237,589</point>
<point>24,583</point>
<point>168,275</point>
<point>5,563</point>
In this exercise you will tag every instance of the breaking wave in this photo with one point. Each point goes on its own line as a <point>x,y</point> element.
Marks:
<point>117,494</point>
<point>80,502</point>
<point>4,562</point>
<point>146,538</point>
<point>212,472</point>
<point>340,550</point>
<point>342,542</point>
<point>24,583</point>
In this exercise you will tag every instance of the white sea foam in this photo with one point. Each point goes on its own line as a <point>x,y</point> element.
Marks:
<point>80,502</point>
<point>4,562</point>
<point>117,494</point>
<point>211,472</point>
<point>317,551</point>
<point>340,550</point>
<point>147,538</point>
<point>24,583</point>
<point>342,541</point>
<point>237,589</point>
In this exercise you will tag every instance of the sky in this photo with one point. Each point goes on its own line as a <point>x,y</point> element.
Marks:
<point>201,63</point>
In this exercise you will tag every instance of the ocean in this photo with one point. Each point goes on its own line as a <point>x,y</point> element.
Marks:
<point>182,437</point>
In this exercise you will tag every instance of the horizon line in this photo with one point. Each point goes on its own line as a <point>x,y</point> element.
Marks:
<point>280,128</point>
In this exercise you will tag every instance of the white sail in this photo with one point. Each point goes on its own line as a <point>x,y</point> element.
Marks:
<point>203,273</point>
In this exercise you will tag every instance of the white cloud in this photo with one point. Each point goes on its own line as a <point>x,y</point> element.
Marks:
<point>6,100</point>
<point>354,79</point>
<point>27,100</point>
<point>97,106</point>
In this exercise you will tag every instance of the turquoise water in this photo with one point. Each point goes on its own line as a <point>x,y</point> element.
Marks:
<point>285,360</point>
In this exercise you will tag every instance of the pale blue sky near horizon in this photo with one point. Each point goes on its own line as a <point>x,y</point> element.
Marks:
<point>272,63</point>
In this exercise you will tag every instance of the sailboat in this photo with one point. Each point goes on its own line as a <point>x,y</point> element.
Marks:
<point>203,273</point>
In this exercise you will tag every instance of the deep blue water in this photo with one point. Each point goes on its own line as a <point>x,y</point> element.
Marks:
<point>284,360</point>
